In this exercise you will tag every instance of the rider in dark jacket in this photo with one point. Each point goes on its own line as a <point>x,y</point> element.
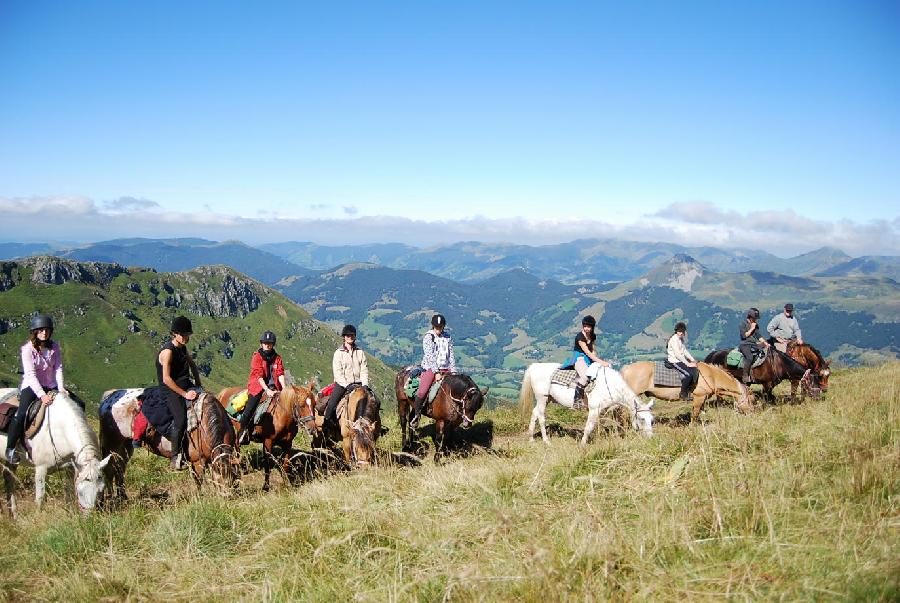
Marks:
<point>751,340</point>
<point>174,369</point>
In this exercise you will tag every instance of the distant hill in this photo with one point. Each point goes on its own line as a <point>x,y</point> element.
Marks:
<point>581,261</point>
<point>869,265</point>
<point>173,255</point>
<point>111,321</point>
<point>10,251</point>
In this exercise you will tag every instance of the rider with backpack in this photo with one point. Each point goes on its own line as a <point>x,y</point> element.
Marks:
<point>437,361</point>
<point>266,375</point>
<point>43,374</point>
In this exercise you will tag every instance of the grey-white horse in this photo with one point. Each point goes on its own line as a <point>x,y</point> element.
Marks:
<point>609,390</point>
<point>64,440</point>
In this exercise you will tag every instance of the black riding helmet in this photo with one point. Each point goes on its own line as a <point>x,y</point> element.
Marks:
<point>438,320</point>
<point>589,321</point>
<point>267,337</point>
<point>680,327</point>
<point>182,326</point>
<point>348,330</point>
<point>41,321</point>
<point>753,313</point>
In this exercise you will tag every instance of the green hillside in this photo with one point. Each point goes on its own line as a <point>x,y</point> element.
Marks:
<point>111,322</point>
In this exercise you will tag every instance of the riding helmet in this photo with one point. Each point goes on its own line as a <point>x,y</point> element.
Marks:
<point>267,337</point>
<point>438,320</point>
<point>753,312</point>
<point>182,326</point>
<point>348,330</point>
<point>589,321</point>
<point>680,327</point>
<point>41,321</point>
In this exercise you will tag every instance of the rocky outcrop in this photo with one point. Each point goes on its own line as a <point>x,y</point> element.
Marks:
<point>9,275</point>
<point>50,270</point>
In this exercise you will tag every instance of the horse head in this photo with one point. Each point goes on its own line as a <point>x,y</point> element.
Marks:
<point>469,401</point>
<point>642,417</point>
<point>220,439</point>
<point>90,483</point>
<point>364,429</point>
<point>302,403</point>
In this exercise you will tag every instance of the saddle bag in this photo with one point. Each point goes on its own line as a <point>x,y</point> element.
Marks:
<point>7,411</point>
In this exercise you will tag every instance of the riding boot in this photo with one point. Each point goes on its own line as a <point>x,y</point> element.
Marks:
<point>747,375</point>
<point>13,436</point>
<point>578,401</point>
<point>414,421</point>
<point>684,394</point>
<point>178,461</point>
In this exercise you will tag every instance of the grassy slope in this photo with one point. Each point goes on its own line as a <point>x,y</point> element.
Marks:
<point>100,353</point>
<point>795,502</point>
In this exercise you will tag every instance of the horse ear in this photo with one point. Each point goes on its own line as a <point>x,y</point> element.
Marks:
<point>105,461</point>
<point>650,404</point>
<point>485,391</point>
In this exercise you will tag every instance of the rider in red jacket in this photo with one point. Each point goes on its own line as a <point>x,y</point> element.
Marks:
<point>266,375</point>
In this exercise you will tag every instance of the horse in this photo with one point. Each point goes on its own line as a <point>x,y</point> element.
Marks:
<point>456,402</point>
<point>609,390</point>
<point>713,381</point>
<point>210,445</point>
<point>64,437</point>
<point>288,410</point>
<point>812,359</point>
<point>776,367</point>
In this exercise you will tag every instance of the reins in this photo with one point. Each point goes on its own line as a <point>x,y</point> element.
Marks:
<point>461,402</point>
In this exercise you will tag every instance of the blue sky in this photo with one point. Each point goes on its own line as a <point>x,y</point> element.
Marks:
<point>771,123</point>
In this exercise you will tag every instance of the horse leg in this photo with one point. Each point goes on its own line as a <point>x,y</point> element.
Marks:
<point>699,401</point>
<point>40,483</point>
<point>403,410</point>
<point>438,441</point>
<point>593,416</point>
<point>9,483</point>
<point>267,463</point>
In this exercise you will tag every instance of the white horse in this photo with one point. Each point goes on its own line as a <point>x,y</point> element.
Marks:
<point>610,390</point>
<point>64,438</point>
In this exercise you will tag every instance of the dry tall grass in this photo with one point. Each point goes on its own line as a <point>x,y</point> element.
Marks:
<point>791,502</point>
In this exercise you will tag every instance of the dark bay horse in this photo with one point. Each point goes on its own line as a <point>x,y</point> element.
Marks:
<point>456,402</point>
<point>812,359</point>
<point>211,444</point>
<point>288,410</point>
<point>776,367</point>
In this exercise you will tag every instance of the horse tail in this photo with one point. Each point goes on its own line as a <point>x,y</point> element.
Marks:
<point>526,394</point>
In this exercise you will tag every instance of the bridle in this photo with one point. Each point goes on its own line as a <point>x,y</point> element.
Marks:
<point>305,420</point>
<point>461,404</point>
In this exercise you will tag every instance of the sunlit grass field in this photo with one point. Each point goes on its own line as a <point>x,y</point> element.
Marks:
<point>793,502</point>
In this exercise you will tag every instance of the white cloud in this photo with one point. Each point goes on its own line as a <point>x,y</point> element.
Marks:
<point>782,233</point>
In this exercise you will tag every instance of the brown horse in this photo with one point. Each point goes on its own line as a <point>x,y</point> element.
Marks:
<point>713,381</point>
<point>776,367</point>
<point>211,444</point>
<point>812,359</point>
<point>288,410</point>
<point>456,402</point>
<point>359,426</point>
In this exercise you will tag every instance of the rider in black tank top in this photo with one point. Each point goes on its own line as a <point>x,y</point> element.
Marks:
<point>183,375</point>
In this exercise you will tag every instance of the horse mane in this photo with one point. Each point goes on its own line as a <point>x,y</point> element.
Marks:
<point>87,435</point>
<point>217,423</point>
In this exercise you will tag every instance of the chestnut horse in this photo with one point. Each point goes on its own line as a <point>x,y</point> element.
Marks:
<point>211,444</point>
<point>713,381</point>
<point>776,367</point>
<point>812,359</point>
<point>280,423</point>
<point>456,402</point>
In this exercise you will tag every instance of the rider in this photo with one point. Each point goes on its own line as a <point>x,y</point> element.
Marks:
<point>174,369</point>
<point>437,360</point>
<point>349,366</point>
<point>584,355</point>
<point>784,328</point>
<point>42,365</point>
<point>681,360</point>
<point>751,340</point>
<point>266,375</point>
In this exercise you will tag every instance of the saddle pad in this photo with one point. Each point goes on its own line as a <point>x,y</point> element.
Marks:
<point>412,386</point>
<point>736,360</point>
<point>261,410</point>
<point>665,376</point>
<point>567,378</point>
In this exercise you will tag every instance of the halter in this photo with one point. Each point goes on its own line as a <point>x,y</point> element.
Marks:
<point>304,421</point>
<point>461,402</point>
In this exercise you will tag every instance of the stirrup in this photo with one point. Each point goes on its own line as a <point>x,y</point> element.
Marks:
<point>414,421</point>
<point>178,463</point>
<point>12,456</point>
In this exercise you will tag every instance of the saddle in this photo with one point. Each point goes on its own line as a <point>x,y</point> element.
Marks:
<point>736,360</point>
<point>153,415</point>
<point>9,405</point>
<point>567,377</point>
<point>664,376</point>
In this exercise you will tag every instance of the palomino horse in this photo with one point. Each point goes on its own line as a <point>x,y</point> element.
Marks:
<point>812,359</point>
<point>713,381</point>
<point>279,425</point>
<point>456,402</point>
<point>776,367</point>
<point>359,426</point>
<point>64,437</point>
<point>609,390</point>
<point>211,444</point>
